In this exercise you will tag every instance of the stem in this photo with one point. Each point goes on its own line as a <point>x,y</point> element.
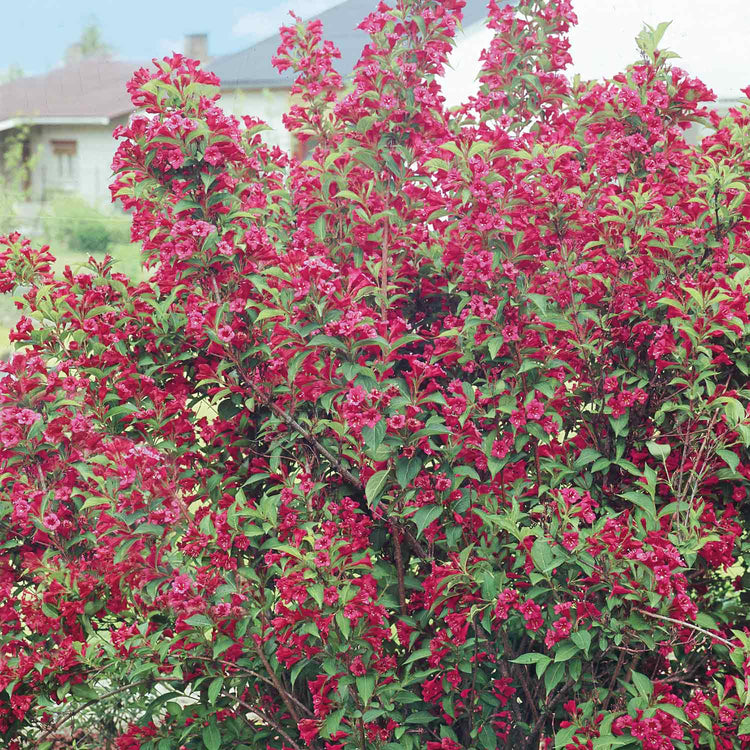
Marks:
<point>399,567</point>
<point>384,270</point>
<point>264,717</point>
<point>288,419</point>
<point>508,653</point>
<point>292,422</point>
<point>71,714</point>
<point>252,673</point>
<point>613,679</point>
<point>277,684</point>
<point>684,624</point>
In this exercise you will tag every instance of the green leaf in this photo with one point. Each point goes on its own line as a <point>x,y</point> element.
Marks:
<point>212,737</point>
<point>407,469</point>
<point>375,485</point>
<point>587,456</point>
<point>566,651</point>
<point>92,502</point>
<point>199,621</point>
<point>425,516</point>
<point>82,690</point>
<point>494,345</point>
<point>223,643</point>
<point>323,340</point>
<point>643,501</point>
<point>373,436</point>
<point>658,450</point>
<point>531,658</point>
<point>744,727</point>
<point>731,459</point>
<point>488,737</point>
<point>564,736</point>
<point>214,689</point>
<point>541,554</point>
<point>642,684</point>
<point>554,676</point>
<point>582,639</point>
<point>366,687</point>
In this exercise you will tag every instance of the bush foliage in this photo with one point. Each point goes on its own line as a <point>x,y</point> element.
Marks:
<point>74,224</point>
<point>435,440</point>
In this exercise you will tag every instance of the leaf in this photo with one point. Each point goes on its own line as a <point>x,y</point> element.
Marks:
<point>564,736</point>
<point>541,554</point>
<point>494,345</point>
<point>373,436</point>
<point>531,658</point>
<point>744,727</point>
<point>658,450</point>
<point>566,651</point>
<point>375,485</point>
<point>123,549</point>
<point>366,687</point>
<point>643,501</point>
<point>582,639</point>
<point>214,689</point>
<point>488,737</point>
<point>731,459</point>
<point>587,456</point>
<point>82,690</point>
<point>642,684</point>
<point>223,643</point>
<point>407,469</point>
<point>323,340</point>
<point>199,621</point>
<point>425,516</point>
<point>553,676</point>
<point>92,502</point>
<point>212,737</point>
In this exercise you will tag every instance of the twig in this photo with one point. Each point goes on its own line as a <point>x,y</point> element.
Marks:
<point>613,679</point>
<point>277,684</point>
<point>292,422</point>
<point>263,717</point>
<point>684,624</point>
<point>289,420</point>
<point>399,567</point>
<point>508,652</point>
<point>252,673</point>
<point>67,717</point>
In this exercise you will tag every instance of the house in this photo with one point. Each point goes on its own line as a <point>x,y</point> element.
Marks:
<point>66,118</point>
<point>251,85</point>
<point>71,112</point>
<point>68,114</point>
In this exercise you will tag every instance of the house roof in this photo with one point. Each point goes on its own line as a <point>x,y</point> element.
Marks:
<point>90,91</point>
<point>251,67</point>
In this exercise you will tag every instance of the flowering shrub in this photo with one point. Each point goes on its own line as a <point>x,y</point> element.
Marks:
<point>438,439</point>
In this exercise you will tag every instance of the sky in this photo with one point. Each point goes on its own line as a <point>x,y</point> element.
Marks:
<point>711,37</point>
<point>138,30</point>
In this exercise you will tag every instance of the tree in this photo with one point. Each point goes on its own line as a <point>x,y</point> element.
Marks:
<point>16,166</point>
<point>438,439</point>
<point>11,73</point>
<point>90,45</point>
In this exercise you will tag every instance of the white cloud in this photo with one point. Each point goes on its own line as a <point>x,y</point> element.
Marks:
<point>260,24</point>
<point>168,46</point>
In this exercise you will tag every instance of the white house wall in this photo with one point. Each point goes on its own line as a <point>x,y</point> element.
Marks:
<point>268,104</point>
<point>95,148</point>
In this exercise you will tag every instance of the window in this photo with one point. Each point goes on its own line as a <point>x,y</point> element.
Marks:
<point>65,158</point>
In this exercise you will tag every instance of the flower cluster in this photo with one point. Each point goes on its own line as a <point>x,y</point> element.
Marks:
<point>437,439</point>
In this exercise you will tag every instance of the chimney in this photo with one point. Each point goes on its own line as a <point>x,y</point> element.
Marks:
<point>196,46</point>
